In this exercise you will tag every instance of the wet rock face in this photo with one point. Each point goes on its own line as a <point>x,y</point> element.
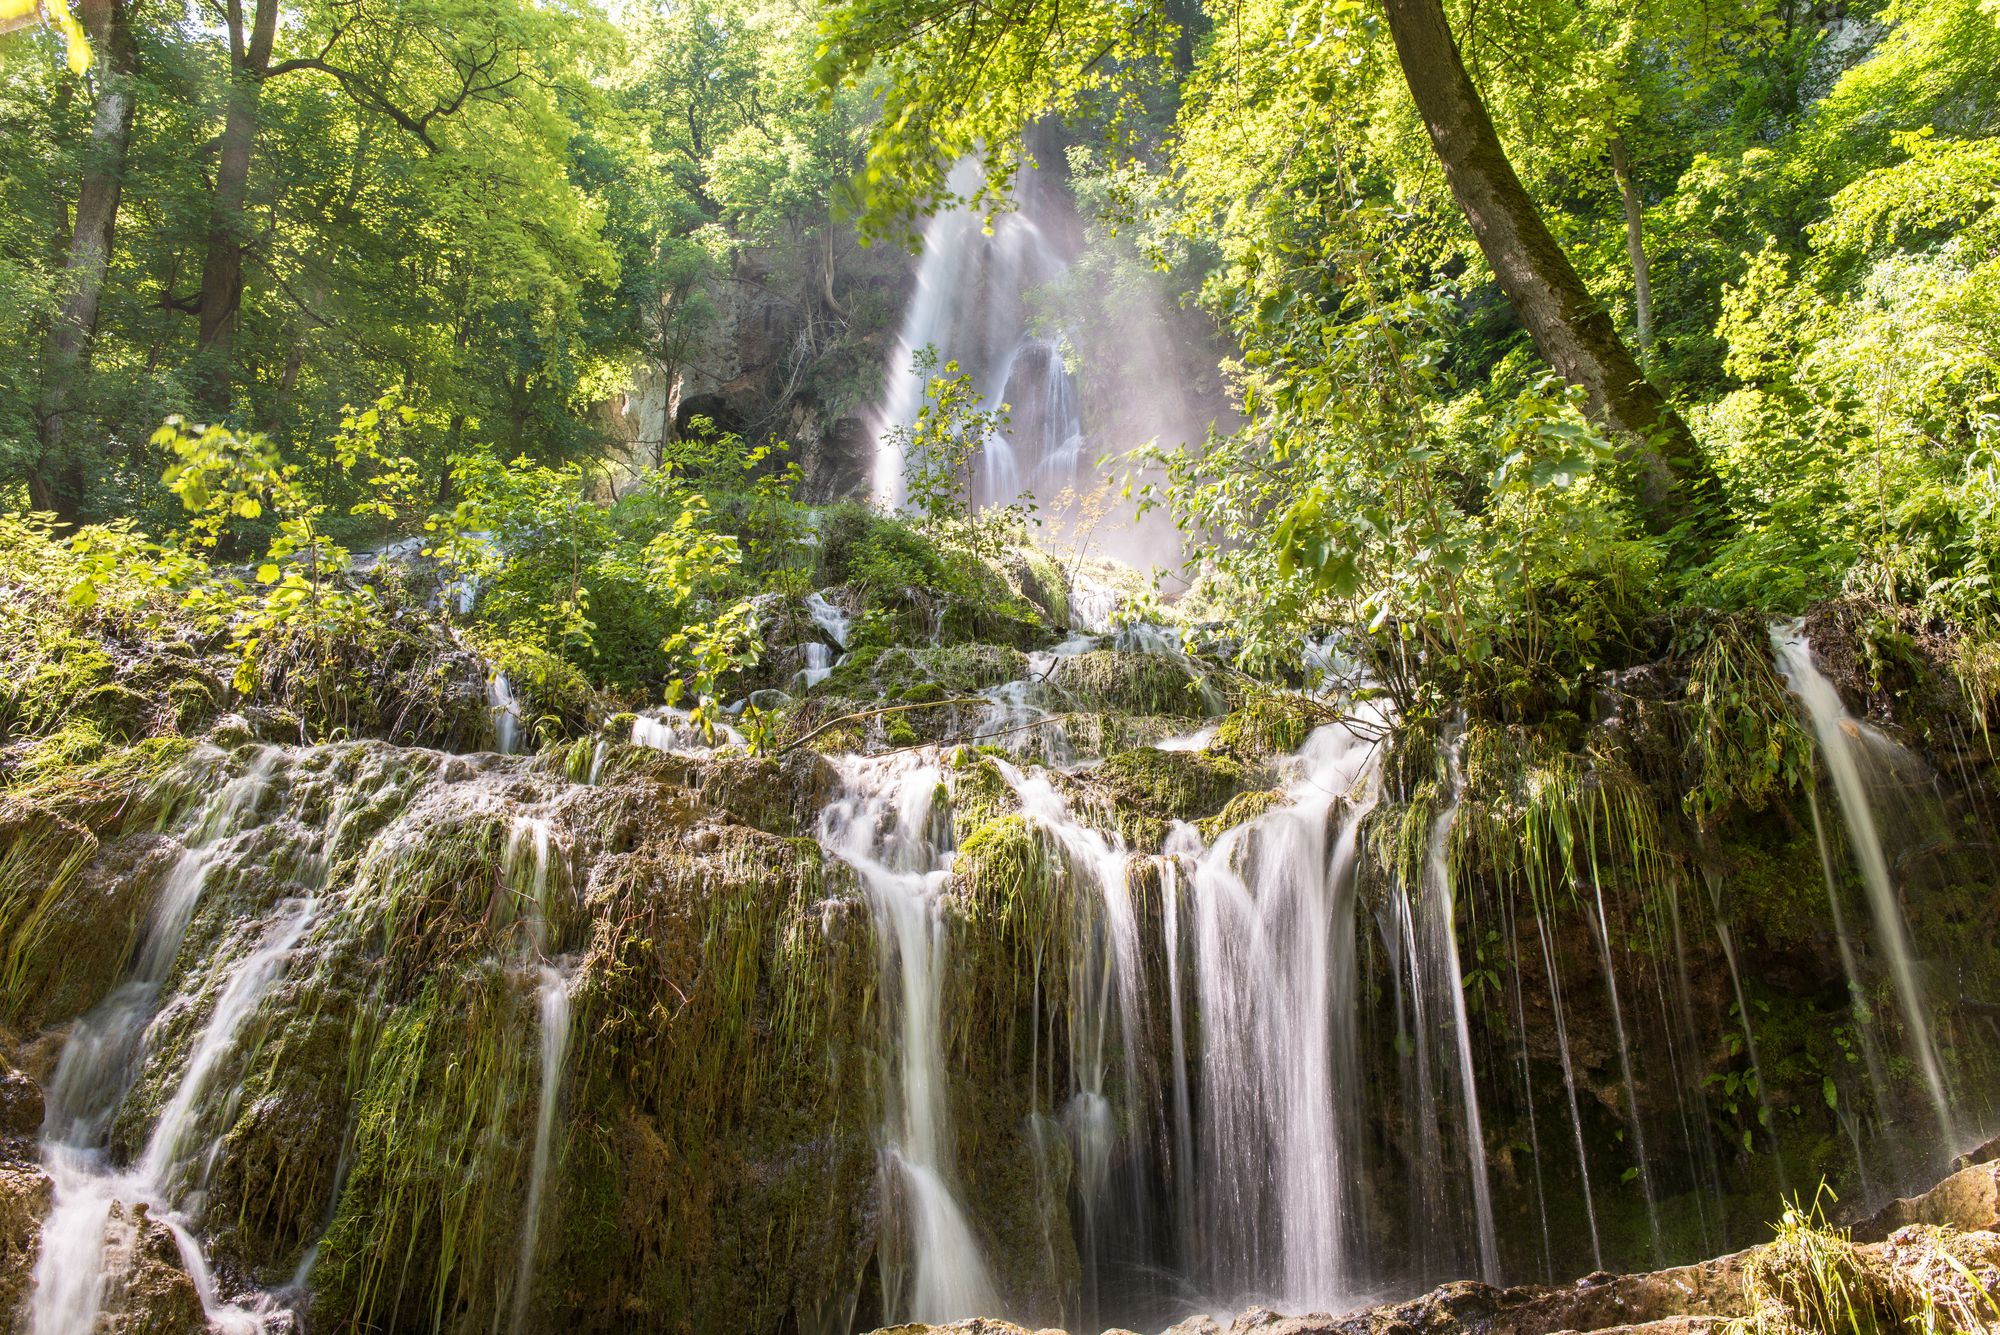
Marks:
<point>25,1193</point>
<point>1968,1200</point>
<point>1918,1275</point>
<point>150,1291</point>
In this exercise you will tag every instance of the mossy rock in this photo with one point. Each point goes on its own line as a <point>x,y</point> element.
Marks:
<point>429,1217</point>
<point>1263,726</point>
<point>979,793</point>
<point>1127,682</point>
<point>933,671</point>
<point>274,1183</point>
<point>1240,810</point>
<point>1170,785</point>
<point>149,1291</point>
<point>919,591</point>
<point>1039,581</point>
<point>777,794</point>
<point>74,909</point>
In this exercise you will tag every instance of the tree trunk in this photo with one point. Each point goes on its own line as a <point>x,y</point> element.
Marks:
<point>1635,244</point>
<point>58,479</point>
<point>222,271</point>
<point>1573,333</point>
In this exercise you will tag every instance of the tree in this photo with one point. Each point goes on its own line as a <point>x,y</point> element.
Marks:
<point>222,270</point>
<point>1035,59</point>
<point>56,483</point>
<point>1569,326</point>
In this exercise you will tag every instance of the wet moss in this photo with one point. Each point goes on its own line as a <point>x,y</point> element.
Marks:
<point>1128,682</point>
<point>1263,726</point>
<point>277,1178</point>
<point>1240,810</point>
<point>893,673</point>
<point>425,1230</point>
<point>1171,785</point>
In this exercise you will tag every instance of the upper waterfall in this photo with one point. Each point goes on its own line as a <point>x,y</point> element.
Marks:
<point>1079,369</point>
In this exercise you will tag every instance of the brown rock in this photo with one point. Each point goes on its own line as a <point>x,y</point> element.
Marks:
<point>978,1325</point>
<point>1195,1325</point>
<point>1673,1325</point>
<point>1986,1153</point>
<point>150,1291</point>
<point>20,1105</point>
<point>1708,1288</point>
<point>25,1191</point>
<point>1968,1200</point>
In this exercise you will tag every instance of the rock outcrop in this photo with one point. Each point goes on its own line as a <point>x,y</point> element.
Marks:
<point>1807,1280</point>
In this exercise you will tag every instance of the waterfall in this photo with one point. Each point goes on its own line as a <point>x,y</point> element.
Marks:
<point>1851,751</point>
<point>887,827</point>
<point>1440,901</point>
<point>836,626</point>
<point>506,712</point>
<point>1183,847</point>
<point>1641,1160</point>
<point>1107,978</point>
<point>553,991</point>
<point>1276,1172</point>
<point>675,732</point>
<point>101,1060</point>
<point>969,307</point>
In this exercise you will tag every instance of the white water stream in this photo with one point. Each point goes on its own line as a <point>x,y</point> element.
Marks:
<point>888,827</point>
<point>1277,1114</point>
<point>553,992</point>
<point>1851,751</point>
<point>78,1262</point>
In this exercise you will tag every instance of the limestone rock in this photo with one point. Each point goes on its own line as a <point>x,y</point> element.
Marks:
<point>25,1192</point>
<point>150,1292</point>
<point>978,1325</point>
<point>20,1105</point>
<point>1195,1325</point>
<point>1968,1200</point>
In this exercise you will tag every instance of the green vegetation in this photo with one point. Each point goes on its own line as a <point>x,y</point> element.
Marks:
<point>369,357</point>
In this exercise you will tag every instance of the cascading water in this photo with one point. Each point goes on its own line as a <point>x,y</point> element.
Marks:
<point>819,656</point>
<point>1441,905</point>
<point>1423,931</point>
<point>1850,750</point>
<point>505,708</point>
<point>553,990</point>
<point>888,828</point>
<point>101,1060</point>
<point>1107,978</point>
<point>969,307</point>
<point>1274,1172</point>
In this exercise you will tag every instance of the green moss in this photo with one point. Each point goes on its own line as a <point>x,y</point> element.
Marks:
<point>979,793</point>
<point>1011,883</point>
<point>1126,682</point>
<point>1265,725</point>
<point>1774,887</point>
<point>1144,790</point>
<point>931,672</point>
<point>918,590</point>
<point>274,1183</point>
<point>424,1233</point>
<point>1242,808</point>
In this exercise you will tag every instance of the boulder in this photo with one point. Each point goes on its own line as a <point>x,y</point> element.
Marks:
<point>25,1192</point>
<point>1968,1200</point>
<point>20,1105</point>
<point>150,1291</point>
<point>978,1325</point>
